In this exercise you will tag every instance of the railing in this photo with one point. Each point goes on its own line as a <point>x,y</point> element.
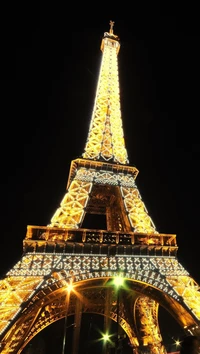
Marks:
<point>42,233</point>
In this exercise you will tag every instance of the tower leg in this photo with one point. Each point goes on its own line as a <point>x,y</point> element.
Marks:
<point>107,320</point>
<point>77,327</point>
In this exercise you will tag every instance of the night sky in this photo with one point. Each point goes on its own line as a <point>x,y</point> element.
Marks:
<point>50,57</point>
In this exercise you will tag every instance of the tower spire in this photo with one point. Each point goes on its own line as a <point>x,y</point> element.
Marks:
<point>111,26</point>
<point>105,141</point>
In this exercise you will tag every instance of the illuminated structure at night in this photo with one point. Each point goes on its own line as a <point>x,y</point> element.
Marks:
<point>100,183</point>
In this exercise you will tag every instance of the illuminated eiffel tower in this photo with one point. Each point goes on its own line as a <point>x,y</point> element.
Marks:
<point>35,292</point>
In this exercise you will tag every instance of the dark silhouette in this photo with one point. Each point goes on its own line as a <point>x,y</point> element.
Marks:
<point>190,345</point>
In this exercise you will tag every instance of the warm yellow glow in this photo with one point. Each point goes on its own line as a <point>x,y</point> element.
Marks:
<point>71,212</point>
<point>130,247</point>
<point>118,281</point>
<point>178,343</point>
<point>70,287</point>
<point>106,337</point>
<point>106,137</point>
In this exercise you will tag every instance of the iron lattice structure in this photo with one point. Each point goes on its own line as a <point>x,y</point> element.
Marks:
<point>33,292</point>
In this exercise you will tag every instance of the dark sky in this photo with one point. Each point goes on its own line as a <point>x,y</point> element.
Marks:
<point>50,57</point>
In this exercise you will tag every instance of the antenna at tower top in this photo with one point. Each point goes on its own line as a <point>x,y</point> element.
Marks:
<point>111,26</point>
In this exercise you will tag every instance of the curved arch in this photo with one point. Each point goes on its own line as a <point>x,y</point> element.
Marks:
<point>47,304</point>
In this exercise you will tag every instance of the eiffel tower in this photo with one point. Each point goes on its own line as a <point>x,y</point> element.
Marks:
<point>64,255</point>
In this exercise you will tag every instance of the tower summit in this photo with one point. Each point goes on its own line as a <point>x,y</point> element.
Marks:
<point>105,140</point>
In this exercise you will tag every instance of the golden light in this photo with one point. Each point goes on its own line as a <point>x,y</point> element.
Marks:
<point>177,343</point>
<point>118,281</point>
<point>106,337</point>
<point>70,287</point>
